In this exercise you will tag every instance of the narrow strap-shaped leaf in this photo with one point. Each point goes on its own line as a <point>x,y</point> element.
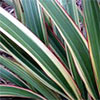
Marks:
<point>54,28</point>
<point>57,46</point>
<point>3,50</point>
<point>75,42</point>
<point>18,55</point>
<point>28,77</point>
<point>43,25</point>
<point>71,7</point>
<point>14,91</point>
<point>5,53</point>
<point>19,10</point>
<point>33,18</point>
<point>75,74</point>
<point>92,18</point>
<point>28,63</point>
<point>39,52</point>
<point>6,74</point>
<point>35,73</point>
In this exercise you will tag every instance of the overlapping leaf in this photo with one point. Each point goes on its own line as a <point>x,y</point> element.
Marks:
<point>38,51</point>
<point>75,42</point>
<point>6,74</point>
<point>27,62</point>
<point>28,77</point>
<point>51,23</point>
<point>7,90</point>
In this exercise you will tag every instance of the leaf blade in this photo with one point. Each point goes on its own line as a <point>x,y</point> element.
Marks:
<point>92,17</point>
<point>7,90</point>
<point>40,51</point>
<point>75,42</point>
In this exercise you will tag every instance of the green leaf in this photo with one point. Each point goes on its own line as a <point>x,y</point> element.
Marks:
<point>22,57</point>
<point>75,74</point>
<point>19,34</point>
<point>37,79</point>
<point>34,19</point>
<point>14,91</point>
<point>31,80</point>
<point>2,49</point>
<point>75,42</point>
<point>6,74</point>
<point>92,18</point>
<point>43,24</point>
<point>19,11</point>
<point>56,45</point>
<point>71,7</point>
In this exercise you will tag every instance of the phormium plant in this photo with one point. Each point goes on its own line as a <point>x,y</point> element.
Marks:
<point>53,48</point>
